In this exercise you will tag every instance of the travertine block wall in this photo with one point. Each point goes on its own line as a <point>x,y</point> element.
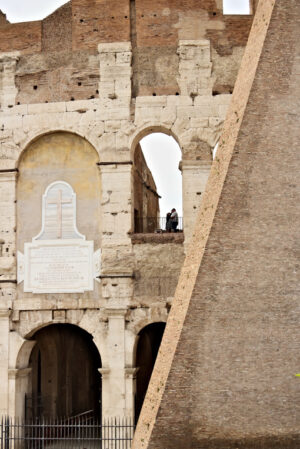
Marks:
<point>108,73</point>
<point>138,281</point>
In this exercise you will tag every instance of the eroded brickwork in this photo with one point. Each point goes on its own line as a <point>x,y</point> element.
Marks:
<point>60,50</point>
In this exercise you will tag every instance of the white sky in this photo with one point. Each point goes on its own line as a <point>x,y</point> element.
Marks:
<point>161,151</point>
<point>162,154</point>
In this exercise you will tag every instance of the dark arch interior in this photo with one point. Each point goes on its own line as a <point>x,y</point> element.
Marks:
<point>147,348</point>
<point>65,380</point>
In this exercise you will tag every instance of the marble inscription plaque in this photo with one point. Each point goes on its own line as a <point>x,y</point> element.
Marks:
<point>59,259</point>
<point>53,266</point>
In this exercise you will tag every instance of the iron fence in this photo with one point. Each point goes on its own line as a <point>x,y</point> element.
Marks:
<point>155,224</point>
<point>88,433</point>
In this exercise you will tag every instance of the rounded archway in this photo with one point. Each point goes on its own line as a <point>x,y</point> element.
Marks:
<point>157,181</point>
<point>149,339</point>
<point>65,379</point>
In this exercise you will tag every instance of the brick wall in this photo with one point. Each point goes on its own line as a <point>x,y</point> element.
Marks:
<point>58,54</point>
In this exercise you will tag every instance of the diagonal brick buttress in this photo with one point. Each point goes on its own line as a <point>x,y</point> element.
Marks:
<point>225,374</point>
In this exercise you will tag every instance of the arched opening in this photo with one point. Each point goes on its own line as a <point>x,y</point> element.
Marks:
<point>157,183</point>
<point>146,352</point>
<point>65,379</point>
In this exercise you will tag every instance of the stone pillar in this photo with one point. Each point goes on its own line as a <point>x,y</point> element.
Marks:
<point>194,178</point>
<point>18,380</point>
<point>8,178</point>
<point>4,356</point>
<point>130,388</point>
<point>195,67</point>
<point>8,90</point>
<point>115,80</point>
<point>116,213</point>
<point>113,376</point>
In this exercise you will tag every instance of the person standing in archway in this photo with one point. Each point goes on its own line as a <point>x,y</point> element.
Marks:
<point>168,222</point>
<point>174,219</point>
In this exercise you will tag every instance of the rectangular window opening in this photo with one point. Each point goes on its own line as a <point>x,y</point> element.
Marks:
<point>237,7</point>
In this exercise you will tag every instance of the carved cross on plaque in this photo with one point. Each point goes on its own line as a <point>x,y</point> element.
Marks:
<point>59,259</point>
<point>59,201</point>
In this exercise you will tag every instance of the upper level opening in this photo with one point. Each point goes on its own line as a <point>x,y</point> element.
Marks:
<point>157,185</point>
<point>237,7</point>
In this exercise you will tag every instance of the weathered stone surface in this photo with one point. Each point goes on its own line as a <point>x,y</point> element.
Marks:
<point>225,374</point>
<point>92,79</point>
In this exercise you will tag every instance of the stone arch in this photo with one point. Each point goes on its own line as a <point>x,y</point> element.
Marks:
<point>27,358</point>
<point>37,134</point>
<point>147,345</point>
<point>27,342</point>
<point>52,157</point>
<point>147,201</point>
<point>143,131</point>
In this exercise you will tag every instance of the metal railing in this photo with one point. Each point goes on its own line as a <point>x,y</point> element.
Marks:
<point>155,224</point>
<point>111,433</point>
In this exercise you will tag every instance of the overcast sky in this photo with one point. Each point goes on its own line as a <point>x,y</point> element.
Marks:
<point>161,152</point>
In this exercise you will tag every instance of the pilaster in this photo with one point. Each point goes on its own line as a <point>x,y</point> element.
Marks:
<point>194,178</point>
<point>4,359</point>
<point>115,80</point>
<point>195,67</point>
<point>113,376</point>
<point>8,90</point>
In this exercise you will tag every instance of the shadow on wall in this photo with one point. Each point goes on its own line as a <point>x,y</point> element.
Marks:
<point>147,348</point>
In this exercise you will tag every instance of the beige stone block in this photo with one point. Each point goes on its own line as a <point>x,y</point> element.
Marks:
<point>10,122</point>
<point>5,134</point>
<point>222,110</point>
<point>87,118</point>
<point>146,102</point>
<point>7,265</point>
<point>106,89</point>
<point>107,142</point>
<point>179,100</point>
<point>42,108</point>
<point>19,136</point>
<point>107,59</point>
<point>79,105</point>
<point>115,72</point>
<point>223,99</point>
<point>123,58</point>
<point>127,127</point>
<point>197,111</point>
<point>115,113</point>
<point>181,125</point>
<point>168,115</point>
<point>7,164</point>
<point>122,140</point>
<point>20,109</point>
<point>199,122</point>
<point>42,121</point>
<point>112,125</point>
<point>215,121</point>
<point>147,114</point>
<point>114,47</point>
<point>8,150</point>
<point>208,135</point>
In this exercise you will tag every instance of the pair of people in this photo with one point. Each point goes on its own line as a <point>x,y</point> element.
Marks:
<point>172,221</point>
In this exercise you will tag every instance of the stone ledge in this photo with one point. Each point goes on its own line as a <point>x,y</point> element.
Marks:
<point>161,238</point>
